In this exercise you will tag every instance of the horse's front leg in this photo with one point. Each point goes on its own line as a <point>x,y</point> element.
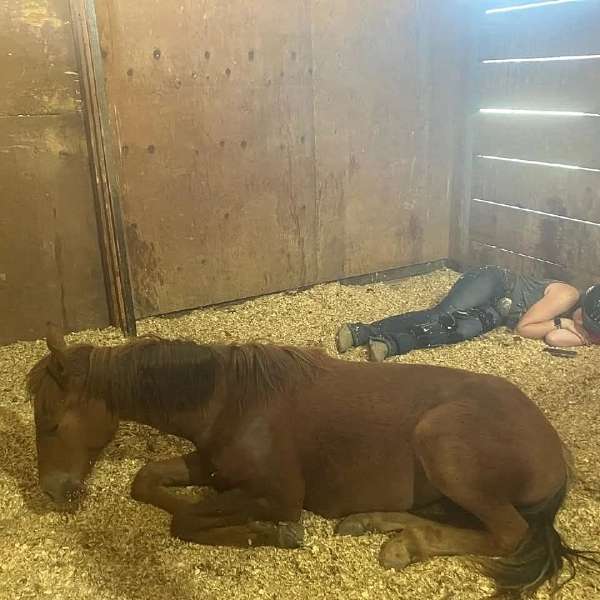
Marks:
<point>152,480</point>
<point>255,533</point>
<point>237,518</point>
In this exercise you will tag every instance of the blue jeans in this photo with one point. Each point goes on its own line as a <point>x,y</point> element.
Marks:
<point>469,305</point>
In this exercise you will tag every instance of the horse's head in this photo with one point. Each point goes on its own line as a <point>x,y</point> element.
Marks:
<point>71,428</point>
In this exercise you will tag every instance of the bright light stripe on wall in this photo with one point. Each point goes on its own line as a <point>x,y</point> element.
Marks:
<point>539,163</point>
<point>501,249</point>
<point>540,59</point>
<point>528,6</point>
<point>537,212</point>
<point>544,113</point>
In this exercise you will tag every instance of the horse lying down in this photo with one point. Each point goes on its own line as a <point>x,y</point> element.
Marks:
<point>282,429</point>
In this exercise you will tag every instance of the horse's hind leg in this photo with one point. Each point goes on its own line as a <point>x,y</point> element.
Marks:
<point>471,476</point>
<point>442,511</point>
<point>421,538</point>
<point>505,528</point>
<point>380,522</point>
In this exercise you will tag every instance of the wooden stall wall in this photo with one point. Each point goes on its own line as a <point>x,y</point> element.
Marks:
<point>50,266</point>
<point>264,146</point>
<point>387,89</point>
<point>535,196</point>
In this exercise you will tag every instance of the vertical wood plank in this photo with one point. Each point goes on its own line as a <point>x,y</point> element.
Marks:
<point>50,263</point>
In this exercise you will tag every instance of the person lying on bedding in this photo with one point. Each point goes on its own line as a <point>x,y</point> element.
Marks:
<point>481,300</point>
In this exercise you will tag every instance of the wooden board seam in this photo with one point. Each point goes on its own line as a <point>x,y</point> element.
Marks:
<point>537,212</point>
<point>540,260</point>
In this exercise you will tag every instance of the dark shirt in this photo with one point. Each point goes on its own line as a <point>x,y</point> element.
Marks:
<point>526,292</point>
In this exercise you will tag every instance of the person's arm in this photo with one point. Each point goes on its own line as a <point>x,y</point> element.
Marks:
<point>538,321</point>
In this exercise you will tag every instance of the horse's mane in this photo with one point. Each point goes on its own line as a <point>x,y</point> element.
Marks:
<point>151,375</point>
<point>42,382</point>
<point>258,371</point>
<point>154,375</point>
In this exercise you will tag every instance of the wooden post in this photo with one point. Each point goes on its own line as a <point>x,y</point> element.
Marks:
<point>103,165</point>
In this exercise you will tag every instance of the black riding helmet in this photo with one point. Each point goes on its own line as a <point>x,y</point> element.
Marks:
<point>590,307</point>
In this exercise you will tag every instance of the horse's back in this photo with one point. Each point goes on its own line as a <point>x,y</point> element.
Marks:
<point>404,391</point>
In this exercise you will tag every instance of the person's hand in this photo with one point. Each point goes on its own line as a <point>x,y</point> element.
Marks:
<point>569,325</point>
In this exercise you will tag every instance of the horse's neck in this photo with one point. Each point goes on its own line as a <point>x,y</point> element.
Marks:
<point>194,424</point>
<point>137,414</point>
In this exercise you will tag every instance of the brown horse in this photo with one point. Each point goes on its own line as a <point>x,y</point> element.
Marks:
<point>279,429</point>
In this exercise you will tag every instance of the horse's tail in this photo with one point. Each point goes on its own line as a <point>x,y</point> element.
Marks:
<point>543,553</point>
<point>569,467</point>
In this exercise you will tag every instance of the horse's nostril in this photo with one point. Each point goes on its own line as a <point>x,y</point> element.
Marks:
<point>70,488</point>
<point>74,493</point>
<point>62,489</point>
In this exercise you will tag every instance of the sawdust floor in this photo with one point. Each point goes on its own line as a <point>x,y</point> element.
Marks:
<point>115,548</point>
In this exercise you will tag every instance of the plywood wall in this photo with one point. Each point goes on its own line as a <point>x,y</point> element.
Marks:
<point>260,146</point>
<point>387,94</point>
<point>269,145</point>
<point>50,266</point>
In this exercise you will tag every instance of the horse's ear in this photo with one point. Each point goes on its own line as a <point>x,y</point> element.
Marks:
<point>55,340</point>
<point>57,366</point>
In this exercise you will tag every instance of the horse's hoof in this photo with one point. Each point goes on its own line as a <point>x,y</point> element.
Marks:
<point>182,526</point>
<point>290,535</point>
<point>281,535</point>
<point>353,525</point>
<point>394,554</point>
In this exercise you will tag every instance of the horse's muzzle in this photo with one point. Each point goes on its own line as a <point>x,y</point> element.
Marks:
<point>63,489</point>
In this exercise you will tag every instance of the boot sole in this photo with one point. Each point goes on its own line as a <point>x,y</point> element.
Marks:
<point>378,351</point>
<point>343,339</point>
